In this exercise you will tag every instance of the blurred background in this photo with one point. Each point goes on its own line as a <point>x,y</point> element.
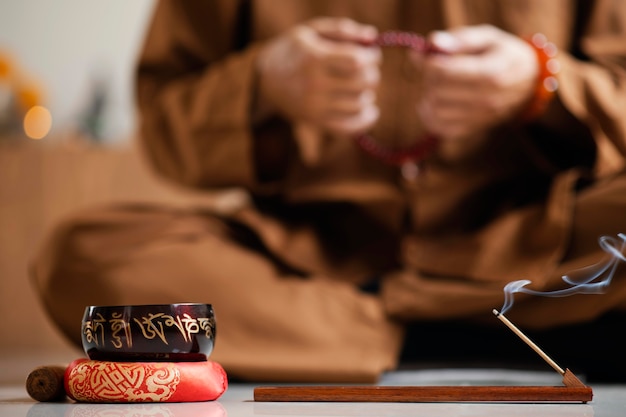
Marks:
<point>74,58</point>
<point>67,140</point>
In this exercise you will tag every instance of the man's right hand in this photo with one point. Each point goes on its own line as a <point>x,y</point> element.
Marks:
<point>323,73</point>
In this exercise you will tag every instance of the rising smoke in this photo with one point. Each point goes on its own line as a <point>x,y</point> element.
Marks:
<point>593,279</point>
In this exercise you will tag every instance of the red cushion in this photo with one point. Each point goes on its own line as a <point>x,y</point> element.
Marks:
<point>124,382</point>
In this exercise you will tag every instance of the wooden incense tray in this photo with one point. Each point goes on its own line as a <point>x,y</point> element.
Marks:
<point>573,390</point>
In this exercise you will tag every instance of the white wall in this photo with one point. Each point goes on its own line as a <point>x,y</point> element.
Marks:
<point>66,44</point>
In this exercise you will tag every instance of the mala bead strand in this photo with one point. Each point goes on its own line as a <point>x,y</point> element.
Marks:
<point>547,85</point>
<point>401,156</point>
<point>404,39</point>
<point>398,156</point>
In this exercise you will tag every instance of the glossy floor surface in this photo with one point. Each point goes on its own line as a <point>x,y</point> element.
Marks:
<point>608,400</point>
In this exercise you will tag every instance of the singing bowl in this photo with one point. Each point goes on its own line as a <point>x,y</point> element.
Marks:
<point>157,332</point>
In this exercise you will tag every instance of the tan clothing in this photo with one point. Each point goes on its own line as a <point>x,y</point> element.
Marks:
<point>281,272</point>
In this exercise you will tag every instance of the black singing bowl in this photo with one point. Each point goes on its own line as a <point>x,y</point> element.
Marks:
<point>144,333</point>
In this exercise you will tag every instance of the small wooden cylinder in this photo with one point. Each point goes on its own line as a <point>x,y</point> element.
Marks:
<point>46,384</point>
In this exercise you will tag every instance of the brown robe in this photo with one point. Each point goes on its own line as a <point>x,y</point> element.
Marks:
<point>285,272</point>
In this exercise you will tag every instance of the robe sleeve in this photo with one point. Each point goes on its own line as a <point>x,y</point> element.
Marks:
<point>195,88</point>
<point>593,82</point>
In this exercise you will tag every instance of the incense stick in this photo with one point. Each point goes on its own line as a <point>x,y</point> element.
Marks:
<point>529,342</point>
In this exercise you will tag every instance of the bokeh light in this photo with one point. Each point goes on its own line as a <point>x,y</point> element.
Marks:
<point>37,122</point>
<point>5,65</point>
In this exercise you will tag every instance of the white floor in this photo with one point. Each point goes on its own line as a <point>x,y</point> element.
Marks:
<point>608,400</point>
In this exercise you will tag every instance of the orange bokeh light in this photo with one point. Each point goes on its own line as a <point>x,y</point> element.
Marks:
<point>37,122</point>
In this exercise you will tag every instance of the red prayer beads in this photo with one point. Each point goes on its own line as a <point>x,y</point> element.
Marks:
<point>547,84</point>
<point>402,155</point>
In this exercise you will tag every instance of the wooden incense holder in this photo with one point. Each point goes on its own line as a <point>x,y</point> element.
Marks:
<point>573,390</point>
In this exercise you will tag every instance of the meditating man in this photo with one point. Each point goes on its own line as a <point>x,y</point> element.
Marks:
<point>403,162</point>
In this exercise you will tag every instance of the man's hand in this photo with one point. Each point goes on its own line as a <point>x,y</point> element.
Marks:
<point>483,78</point>
<point>322,73</point>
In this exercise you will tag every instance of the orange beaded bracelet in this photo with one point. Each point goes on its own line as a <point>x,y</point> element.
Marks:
<point>547,82</point>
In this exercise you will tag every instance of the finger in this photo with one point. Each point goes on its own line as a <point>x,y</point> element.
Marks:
<point>463,69</point>
<point>367,79</point>
<point>320,81</point>
<point>350,104</point>
<point>342,56</point>
<point>348,59</point>
<point>344,29</point>
<point>328,105</point>
<point>352,124</point>
<point>340,59</point>
<point>464,40</point>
